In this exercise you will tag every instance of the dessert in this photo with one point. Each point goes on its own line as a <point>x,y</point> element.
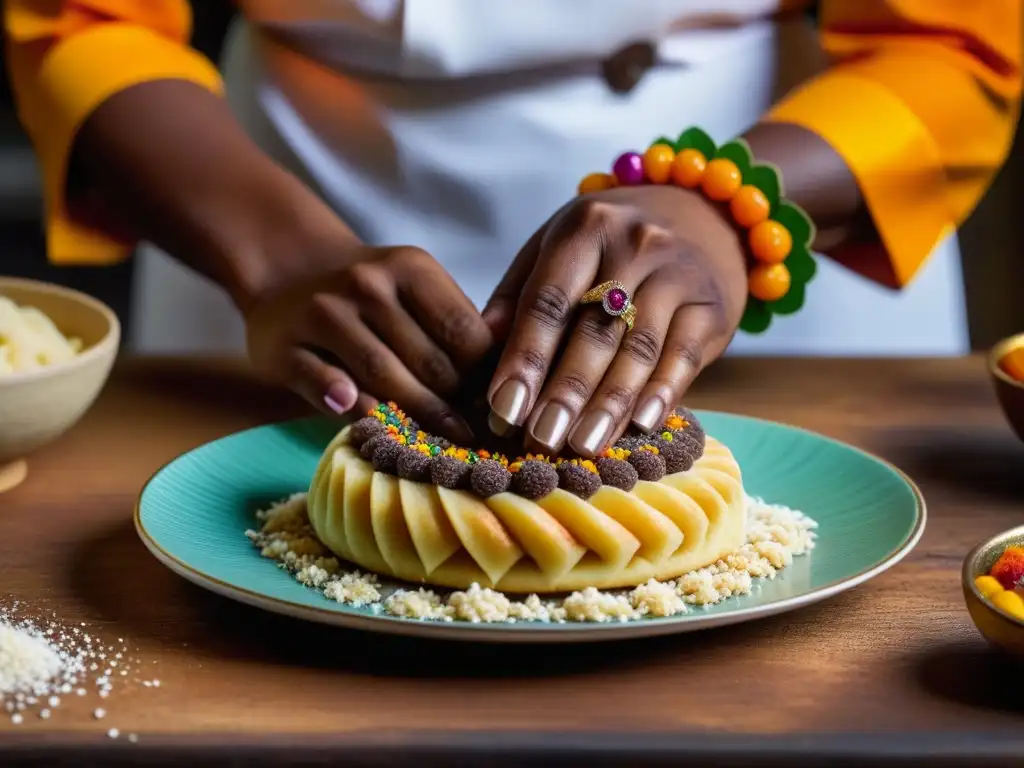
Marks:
<point>775,535</point>
<point>1003,585</point>
<point>400,503</point>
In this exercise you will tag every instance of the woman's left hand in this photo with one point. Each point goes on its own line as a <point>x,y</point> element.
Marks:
<point>579,376</point>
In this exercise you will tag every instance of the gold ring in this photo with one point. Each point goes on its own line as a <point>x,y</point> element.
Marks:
<point>614,299</point>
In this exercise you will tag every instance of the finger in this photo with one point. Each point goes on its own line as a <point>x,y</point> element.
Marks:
<point>592,346</point>
<point>565,269</point>
<point>500,311</point>
<point>599,386</point>
<point>389,320</point>
<point>693,339</point>
<point>443,311</point>
<point>324,386</point>
<point>376,369</point>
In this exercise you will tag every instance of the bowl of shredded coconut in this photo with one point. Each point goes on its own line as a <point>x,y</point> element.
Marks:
<point>56,350</point>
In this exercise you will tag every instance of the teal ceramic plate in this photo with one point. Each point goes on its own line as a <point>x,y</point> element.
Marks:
<point>193,514</point>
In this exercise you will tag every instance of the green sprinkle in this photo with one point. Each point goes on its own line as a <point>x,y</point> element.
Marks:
<point>434,450</point>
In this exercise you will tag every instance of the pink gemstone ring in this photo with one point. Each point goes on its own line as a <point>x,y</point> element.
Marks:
<point>614,299</point>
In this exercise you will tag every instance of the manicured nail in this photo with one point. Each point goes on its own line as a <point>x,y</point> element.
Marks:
<point>509,402</point>
<point>648,416</point>
<point>552,425</point>
<point>592,433</point>
<point>341,397</point>
<point>499,426</point>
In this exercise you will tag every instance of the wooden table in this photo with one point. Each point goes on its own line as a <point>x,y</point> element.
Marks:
<point>892,668</point>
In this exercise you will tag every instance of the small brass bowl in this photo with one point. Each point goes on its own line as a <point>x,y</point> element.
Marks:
<point>1009,391</point>
<point>999,628</point>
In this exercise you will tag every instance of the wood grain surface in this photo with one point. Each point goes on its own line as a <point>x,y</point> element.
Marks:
<point>895,662</point>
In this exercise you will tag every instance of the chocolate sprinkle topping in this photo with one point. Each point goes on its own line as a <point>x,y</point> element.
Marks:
<point>488,478</point>
<point>367,449</point>
<point>534,480</point>
<point>364,429</point>
<point>648,465</point>
<point>578,480</point>
<point>617,473</point>
<point>394,444</point>
<point>449,472</point>
<point>413,465</point>
<point>677,454</point>
<point>385,456</point>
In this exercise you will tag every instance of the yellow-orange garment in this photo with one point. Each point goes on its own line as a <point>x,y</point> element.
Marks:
<point>921,102</point>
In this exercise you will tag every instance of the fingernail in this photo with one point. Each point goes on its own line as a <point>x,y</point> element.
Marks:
<point>341,398</point>
<point>647,417</point>
<point>509,402</point>
<point>590,436</point>
<point>499,426</point>
<point>552,425</point>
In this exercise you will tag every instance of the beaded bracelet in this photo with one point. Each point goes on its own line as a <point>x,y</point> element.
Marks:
<point>779,232</point>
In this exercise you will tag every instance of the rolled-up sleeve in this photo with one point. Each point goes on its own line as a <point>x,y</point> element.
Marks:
<point>67,58</point>
<point>922,103</point>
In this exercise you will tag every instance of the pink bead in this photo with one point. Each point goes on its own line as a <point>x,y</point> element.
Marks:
<point>629,169</point>
<point>616,300</point>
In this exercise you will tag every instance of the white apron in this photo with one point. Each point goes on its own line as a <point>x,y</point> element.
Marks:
<point>460,126</point>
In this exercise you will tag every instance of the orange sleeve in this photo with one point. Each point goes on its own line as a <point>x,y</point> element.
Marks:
<point>922,103</point>
<point>65,59</point>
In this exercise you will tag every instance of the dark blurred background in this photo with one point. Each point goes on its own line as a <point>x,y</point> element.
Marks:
<point>992,242</point>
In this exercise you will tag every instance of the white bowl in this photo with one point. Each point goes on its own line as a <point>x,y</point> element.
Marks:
<point>37,407</point>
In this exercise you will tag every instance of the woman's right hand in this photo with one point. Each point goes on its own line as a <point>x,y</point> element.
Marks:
<point>369,324</point>
<point>340,323</point>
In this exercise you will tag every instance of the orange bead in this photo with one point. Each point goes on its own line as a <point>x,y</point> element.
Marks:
<point>658,163</point>
<point>596,182</point>
<point>722,180</point>
<point>769,282</point>
<point>750,206</point>
<point>688,168</point>
<point>770,242</point>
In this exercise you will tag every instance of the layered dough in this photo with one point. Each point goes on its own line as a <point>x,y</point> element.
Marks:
<point>424,533</point>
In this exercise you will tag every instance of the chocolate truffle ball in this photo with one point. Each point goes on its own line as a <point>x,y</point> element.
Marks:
<point>385,456</point>
<point>364,429</point>
<point>678,454</point>
<point>534,480</point>
<point>489,477</point>
<point>449,472</point>
<point>367,449</point>
<point>694,431</point>
<point>632,440</point>
<point>578,480</point>
<point>617,473</point>
<point>648,465</point>
<point>413,465</point>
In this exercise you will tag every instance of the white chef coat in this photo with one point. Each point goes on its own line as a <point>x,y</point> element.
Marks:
<point>460,126</point>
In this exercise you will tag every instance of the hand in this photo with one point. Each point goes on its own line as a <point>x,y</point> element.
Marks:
<point>578,376</point>
<point>370,324</point>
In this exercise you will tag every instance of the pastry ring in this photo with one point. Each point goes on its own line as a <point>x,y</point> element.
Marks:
<point>614,299</point>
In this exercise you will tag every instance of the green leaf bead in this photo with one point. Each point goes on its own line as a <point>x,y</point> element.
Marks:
<point>791,302</point>
<point>766,178</point>
<point>799,224</point>
<point>801,265</point>
<point>695,138</point>
<point>756,317</point>
<point>738,151</point>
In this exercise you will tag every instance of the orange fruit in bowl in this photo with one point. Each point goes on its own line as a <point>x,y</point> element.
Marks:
<point>1012,364</point>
